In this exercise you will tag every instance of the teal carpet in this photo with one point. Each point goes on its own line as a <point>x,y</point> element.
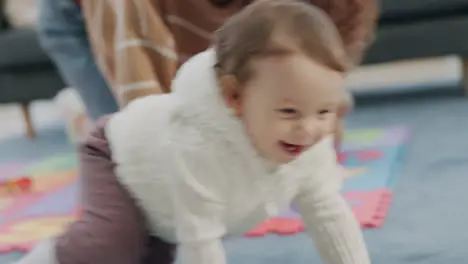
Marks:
<point>427,219</point>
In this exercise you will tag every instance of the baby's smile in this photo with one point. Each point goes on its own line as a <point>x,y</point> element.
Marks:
<point>293,150</point>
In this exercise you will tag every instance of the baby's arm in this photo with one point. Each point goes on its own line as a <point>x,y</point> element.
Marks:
<point>111,228</point>
<point>199,230</point>
<point>328,218</point>
<point>199,211</point>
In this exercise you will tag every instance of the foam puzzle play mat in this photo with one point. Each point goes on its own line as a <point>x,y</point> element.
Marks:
<point>39,198</point>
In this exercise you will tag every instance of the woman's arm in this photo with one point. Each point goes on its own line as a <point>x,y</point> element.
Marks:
<point>133,47</point>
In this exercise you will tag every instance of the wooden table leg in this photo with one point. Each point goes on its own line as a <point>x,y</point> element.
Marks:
<point>26,110</point>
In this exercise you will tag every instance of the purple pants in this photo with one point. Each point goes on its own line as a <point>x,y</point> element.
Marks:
<point>112,228</point>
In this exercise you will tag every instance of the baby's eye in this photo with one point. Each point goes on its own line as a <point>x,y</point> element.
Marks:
<point>324,111</point>
<point>288,111</point>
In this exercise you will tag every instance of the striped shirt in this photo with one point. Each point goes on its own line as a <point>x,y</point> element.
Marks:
<point>139,44</point>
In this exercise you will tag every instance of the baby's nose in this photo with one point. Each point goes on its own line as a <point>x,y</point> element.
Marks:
<point>314,127</point>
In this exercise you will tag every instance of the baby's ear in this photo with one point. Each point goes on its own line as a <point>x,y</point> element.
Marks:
<point>231,92</point>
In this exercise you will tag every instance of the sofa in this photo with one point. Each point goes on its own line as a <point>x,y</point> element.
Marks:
<point>410,29</point>
<point>26,72</point>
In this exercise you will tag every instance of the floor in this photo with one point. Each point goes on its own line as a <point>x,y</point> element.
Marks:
<point>433,183</point>
<point>44,115</point>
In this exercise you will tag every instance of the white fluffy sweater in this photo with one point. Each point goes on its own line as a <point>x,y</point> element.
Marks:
<point>194,172</point>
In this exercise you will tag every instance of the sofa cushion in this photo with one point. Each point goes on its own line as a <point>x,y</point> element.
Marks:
<point>430,38</point>
<point>19,48</point>
<point>411,9</point>
<point>28,86</point>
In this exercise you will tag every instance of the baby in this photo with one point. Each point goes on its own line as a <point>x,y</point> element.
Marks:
<point>247,131</point>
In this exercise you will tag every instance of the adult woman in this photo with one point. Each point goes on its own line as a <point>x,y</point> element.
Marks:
<point>139,44</point>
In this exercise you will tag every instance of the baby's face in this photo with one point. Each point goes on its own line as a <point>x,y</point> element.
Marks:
<point>289,105</point>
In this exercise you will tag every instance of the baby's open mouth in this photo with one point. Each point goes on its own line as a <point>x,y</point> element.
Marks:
<point>292,149</point>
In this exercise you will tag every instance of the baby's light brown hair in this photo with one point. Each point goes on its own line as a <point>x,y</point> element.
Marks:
<point>356,21</point>
<point>274,28</point>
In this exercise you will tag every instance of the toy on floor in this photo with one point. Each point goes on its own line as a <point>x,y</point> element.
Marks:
<point>15,186</point>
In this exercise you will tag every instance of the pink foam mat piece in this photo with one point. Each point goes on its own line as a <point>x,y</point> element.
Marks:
<point>370,209</point>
